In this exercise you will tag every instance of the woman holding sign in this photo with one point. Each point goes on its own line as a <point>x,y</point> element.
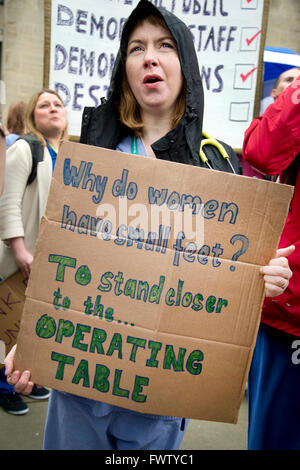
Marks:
<point>22,204</point>
<point>154,109</point>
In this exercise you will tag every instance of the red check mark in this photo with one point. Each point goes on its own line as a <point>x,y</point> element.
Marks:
<point>253,37</point>
<point>244,77</point>
<point>249,1</point>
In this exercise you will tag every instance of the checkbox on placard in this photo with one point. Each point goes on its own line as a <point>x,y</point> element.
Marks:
<point>249,39</point>
<point>239,111</point>
<point>243,76</point>
<point>249,4</point>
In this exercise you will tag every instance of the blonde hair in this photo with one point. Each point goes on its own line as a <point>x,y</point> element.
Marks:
<point>30,127</point>
<point>129,109</point>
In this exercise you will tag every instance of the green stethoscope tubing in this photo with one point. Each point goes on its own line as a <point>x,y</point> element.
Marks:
<point>206,141</point>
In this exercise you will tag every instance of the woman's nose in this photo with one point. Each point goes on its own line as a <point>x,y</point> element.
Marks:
<point>150,58</point>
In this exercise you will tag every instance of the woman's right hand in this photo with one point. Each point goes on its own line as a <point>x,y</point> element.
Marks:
<point>21,382</point>
<point>22,257</point>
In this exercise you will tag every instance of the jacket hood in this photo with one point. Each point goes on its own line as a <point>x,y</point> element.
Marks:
<point>101,126</point>
<point>187,56</point>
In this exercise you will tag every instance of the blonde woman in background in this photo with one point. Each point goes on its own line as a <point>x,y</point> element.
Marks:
<point>22,205</point>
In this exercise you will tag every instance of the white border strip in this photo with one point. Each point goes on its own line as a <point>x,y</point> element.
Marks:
<point>282,58</point>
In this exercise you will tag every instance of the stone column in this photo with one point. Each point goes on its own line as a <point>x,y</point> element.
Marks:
<point>22,49</point>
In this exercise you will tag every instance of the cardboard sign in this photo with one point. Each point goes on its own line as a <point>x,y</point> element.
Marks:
<point>12,298</point>
<point>81,44</point>
<point>145,289</point>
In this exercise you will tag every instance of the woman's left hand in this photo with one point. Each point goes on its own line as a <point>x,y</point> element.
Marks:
<point>21,382</point>
<point>277,274</point>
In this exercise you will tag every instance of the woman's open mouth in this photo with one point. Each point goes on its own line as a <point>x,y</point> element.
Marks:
<point>152,80</point>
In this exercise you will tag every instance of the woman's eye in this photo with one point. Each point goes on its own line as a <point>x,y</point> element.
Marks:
<point>135,49</point>
<point>167,45</point>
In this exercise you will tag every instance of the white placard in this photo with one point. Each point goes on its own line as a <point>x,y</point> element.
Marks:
<point>85,38</point>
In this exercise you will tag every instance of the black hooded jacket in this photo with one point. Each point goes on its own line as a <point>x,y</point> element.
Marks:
<point>101,125</point>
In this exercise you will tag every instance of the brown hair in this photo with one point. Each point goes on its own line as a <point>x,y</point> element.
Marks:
<point>29,117</point>
<point>16,117</point>
<point>129,108</point>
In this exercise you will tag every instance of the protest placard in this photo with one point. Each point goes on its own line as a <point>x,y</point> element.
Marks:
<point>145,290</point>
<point>12,297</point>
<point>81,44</point>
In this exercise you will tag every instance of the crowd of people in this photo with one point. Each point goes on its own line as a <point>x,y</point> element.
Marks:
<point>155,102</point>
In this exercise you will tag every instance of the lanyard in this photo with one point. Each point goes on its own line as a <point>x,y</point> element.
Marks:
<point>134,145</point>
<point>52,152</point>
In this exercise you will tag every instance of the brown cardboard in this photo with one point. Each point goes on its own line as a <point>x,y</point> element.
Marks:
<point>12,298</point>
<point>143,325</point>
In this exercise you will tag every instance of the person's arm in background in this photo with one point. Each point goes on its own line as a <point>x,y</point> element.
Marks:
<point>18,168</point>
<point>22,256</point>
<point>272,141</point>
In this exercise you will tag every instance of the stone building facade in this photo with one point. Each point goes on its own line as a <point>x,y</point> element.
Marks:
<point>22,50</point>
<point>22,43</point>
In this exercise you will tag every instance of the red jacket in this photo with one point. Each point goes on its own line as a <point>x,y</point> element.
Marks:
<point>272,144</point>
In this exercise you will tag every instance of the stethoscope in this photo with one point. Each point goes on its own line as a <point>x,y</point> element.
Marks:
<point>211,141</point>
<point>206,141</point>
